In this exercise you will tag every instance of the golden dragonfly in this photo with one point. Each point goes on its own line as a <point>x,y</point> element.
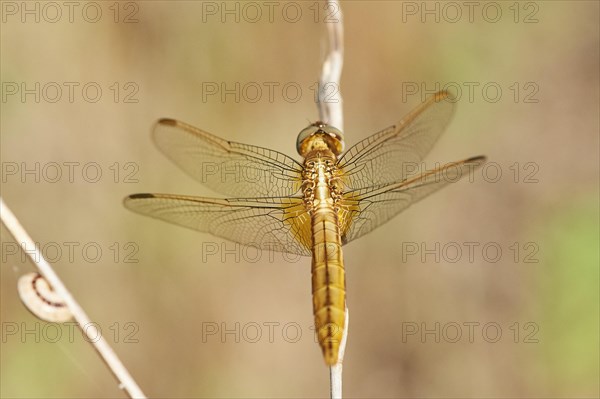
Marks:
<point>311,207</point>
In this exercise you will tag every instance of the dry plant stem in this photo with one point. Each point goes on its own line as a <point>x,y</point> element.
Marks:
<point>335,372</point>
<point>104,350</point>
<point>330,112</point>
<point>330,98</point>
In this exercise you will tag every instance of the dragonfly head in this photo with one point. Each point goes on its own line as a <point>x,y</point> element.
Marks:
<point>320,136</point>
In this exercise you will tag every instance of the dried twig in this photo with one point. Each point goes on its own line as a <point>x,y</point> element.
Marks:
<point>335,372</point>
<point>330,112</point>
<point>109,357</point>
<point>330,98</point>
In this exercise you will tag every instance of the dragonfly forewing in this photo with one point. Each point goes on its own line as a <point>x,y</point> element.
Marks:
<point>227,167</point>
<point>391,155</point>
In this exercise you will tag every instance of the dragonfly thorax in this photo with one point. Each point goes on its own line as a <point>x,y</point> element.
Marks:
<point>319,136</point>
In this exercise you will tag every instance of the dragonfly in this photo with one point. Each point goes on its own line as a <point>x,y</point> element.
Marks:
<point>312,207</point>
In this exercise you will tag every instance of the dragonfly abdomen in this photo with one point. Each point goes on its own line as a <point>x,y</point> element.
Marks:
<point>328,284</point>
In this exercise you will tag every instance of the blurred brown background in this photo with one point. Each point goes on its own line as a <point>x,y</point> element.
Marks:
<point>541,133</point>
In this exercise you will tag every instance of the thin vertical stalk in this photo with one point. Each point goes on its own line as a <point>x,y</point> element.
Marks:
<point>330,97</point>
<point>331,112</point>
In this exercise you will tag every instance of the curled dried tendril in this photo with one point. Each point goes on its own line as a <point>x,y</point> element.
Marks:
<point>41,300</point>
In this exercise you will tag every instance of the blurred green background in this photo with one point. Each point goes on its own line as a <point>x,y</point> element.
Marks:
<point>541,133</point>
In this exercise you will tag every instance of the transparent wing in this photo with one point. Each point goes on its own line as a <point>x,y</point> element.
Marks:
<point>276,224</point>
<point>363,210</point>
<point>229,168</point>
<point>392,154</point>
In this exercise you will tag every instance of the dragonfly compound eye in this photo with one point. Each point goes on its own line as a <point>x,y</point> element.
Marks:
<point>320,136</point>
